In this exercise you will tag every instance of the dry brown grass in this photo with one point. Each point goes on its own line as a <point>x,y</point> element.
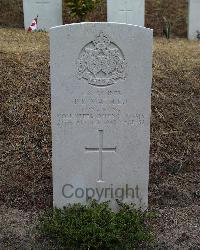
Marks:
<point>25,143</point>
<point>174,11</point>
<point>25,119</point>
<point>11,13</point>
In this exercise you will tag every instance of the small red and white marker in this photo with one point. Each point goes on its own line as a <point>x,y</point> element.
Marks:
<point>33,25</point>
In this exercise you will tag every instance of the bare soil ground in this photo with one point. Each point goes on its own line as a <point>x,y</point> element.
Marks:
<point>25,140</point>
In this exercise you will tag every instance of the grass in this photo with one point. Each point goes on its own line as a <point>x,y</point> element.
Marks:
<point>25,145</point>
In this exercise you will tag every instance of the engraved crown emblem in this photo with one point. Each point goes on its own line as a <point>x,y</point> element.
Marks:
<point>101,62</point>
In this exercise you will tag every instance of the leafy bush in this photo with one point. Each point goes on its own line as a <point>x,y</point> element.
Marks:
<point>80,8</point>
<point>96,226</point>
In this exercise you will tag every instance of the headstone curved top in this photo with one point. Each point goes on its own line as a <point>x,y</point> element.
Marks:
<point>101,91</point>
<point>49,13</point>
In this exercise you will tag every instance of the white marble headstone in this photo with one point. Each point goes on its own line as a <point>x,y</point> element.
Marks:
<point>126,11</point>
<point>101,89</point>
<point>49,13</point>
<point>194,19</point>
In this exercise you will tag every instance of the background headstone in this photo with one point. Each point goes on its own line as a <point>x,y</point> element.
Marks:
<point>101,88</point>
<point>194,19</point>
<point>126,11</point>
<point>49,13</point>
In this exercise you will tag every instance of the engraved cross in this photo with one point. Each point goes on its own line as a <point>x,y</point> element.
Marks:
<point>100,149</point>
<point>126,10</point>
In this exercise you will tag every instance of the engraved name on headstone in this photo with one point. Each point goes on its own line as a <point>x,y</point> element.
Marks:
<point>101,90</point>
<point>126,11</point>
<point>49,13</point>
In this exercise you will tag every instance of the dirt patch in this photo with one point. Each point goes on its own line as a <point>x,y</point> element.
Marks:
<point>16,227</point>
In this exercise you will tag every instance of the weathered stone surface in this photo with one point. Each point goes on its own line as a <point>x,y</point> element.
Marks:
<point>126,11</point>
<point>194,19</point>
<point>49,13</point>
<point>101,88</point>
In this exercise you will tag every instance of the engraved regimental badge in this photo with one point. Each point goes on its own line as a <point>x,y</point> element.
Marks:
<point>101,62</point>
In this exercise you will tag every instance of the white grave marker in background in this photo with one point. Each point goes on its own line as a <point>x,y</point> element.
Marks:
<point>126,11</point>
<point>49,13</point>
<point>101,89</point>
<point>194,19</point>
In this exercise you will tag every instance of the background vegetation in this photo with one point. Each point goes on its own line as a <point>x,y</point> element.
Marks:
<point>174,11</point>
